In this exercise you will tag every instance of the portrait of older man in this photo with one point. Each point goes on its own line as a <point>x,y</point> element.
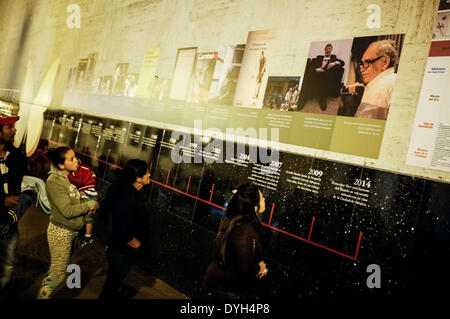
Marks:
<point>377,68</point>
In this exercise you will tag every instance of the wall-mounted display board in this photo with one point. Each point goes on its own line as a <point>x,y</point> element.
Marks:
<point>169,66</point>
<point>430,139</point>
<point>324,223</point>
<point>70,126</point>
<point>344,93</point>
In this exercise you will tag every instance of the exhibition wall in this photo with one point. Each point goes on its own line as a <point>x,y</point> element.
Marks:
<point>325,222</point>
<point>214,93</point>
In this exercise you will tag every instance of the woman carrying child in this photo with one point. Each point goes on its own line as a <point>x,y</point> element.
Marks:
<point>69,213</point>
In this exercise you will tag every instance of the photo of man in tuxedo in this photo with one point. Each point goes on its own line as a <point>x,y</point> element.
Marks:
<point>323,75</point>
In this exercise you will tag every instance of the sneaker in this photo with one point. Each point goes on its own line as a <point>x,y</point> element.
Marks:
<point>81,242</point>
<point>86,241</point>
<point>45,292</point>
<point>47,288</point>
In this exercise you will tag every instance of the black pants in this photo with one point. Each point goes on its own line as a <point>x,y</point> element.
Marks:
<point>9,236</point>
<point>119,266</point>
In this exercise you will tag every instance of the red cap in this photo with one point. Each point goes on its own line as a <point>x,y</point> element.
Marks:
<point>8,120</point>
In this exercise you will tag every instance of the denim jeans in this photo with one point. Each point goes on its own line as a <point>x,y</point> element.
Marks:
<point>7,253</point>
<point>8,243</point>
<point>119,266</point>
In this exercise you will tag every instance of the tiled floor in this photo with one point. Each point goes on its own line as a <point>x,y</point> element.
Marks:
<point>32,261</point>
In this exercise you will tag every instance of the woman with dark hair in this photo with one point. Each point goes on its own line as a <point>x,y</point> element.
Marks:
<point>68,214</point>
<point>125,204</point>
<point>238,255</point>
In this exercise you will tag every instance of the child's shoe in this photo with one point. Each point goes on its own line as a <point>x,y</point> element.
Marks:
<point>47,288</point>
<point>86,241</point>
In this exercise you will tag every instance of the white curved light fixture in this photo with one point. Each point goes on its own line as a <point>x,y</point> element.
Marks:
<point>31,114</point>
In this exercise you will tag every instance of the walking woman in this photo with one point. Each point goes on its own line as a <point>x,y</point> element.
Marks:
<point>238,255</point>
<point>68,214</point>
<point>125,204</point>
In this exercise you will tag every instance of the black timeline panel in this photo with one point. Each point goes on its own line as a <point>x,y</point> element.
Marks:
<point>308,216</point>
<point>429,260</point>
<point>388,215</point>
<point>334,214</point>
<point>69,129</point>
<point>286,222</point>
<point>309,235</point>
<point>216,183</point>
<point>287,190</point>
<point>335,207</point>
<point>49,118</point>
<point>151,144</point>
<point>265,173</point>
<point>58,122</point>
<point>188,176</point>
<point>101,160</point>
<point>163,175</point>
<point>291,189</point>
<point>219,179</point>
<point>217,176</point>
<point>88,139</point>
<point>114,148</point>
<point>142,143</point>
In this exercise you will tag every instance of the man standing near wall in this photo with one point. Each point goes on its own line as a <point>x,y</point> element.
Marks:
<point>13,203</point>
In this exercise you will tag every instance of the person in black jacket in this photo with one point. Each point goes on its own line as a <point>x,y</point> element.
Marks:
<point>238,256</point>
<point>13,203</point>
<point>126,205</point>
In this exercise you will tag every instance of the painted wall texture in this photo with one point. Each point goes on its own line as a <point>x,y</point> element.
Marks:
<point>122,31</point>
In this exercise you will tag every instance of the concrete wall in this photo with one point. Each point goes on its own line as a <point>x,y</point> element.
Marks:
<point>121,31</point>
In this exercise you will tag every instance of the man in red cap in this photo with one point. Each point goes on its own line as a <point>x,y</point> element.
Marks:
<point>13,203</point>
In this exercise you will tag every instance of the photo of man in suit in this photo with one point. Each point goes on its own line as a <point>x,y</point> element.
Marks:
<point>323,77</point>
<point>324,65</point>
